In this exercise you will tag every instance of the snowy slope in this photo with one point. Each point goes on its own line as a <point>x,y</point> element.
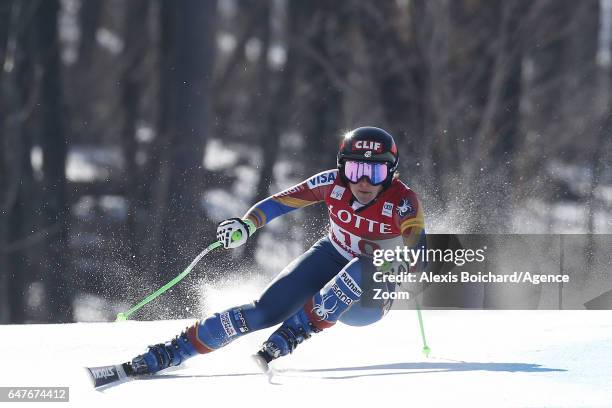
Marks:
<point>479,358</point>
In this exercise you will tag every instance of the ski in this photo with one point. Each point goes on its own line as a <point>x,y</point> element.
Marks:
<point>110,375</point>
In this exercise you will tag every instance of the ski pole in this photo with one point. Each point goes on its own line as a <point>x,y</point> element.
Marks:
<point>122,316</point>
<point>426,350</point>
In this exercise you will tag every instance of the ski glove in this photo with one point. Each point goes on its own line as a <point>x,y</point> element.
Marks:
<point>396,267</point>
<point>227,232</point>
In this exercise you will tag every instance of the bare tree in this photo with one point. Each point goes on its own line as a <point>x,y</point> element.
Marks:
<point>89,18</point>
<point>397,70</point>
<point>321,73</point>
<point>187,55</point>
<point>54,148</point>
<point>7,182</point>
<point>135,51</point>
<point>601,150</point>
<point>472,52</point>
<point>17,84</point>
<point>276,91</point>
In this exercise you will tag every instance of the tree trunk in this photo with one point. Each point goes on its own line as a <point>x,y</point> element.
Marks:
<point>266,115</point>
<point>54,147</point>
<point>6,174</point>
<point>276,112</point>
<point>322,62</point>
<point>187,56</point>
<point>89,16</point>
<point>401,80</point>
<point>136,41</point>
<point>16,84</point>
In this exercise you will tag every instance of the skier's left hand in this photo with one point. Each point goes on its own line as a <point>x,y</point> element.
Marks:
<point>397,267</point>
<point>234,232</point>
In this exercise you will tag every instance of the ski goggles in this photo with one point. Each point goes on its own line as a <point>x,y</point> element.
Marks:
<point>376,173</point>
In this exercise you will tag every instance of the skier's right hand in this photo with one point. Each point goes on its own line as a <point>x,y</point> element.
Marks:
<point>234,232</point>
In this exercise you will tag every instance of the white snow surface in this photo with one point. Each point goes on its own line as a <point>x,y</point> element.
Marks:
<point>479,359</point>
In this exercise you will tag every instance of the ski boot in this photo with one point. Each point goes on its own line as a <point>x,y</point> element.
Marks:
<point>162,356</point>
<point>283,341</point>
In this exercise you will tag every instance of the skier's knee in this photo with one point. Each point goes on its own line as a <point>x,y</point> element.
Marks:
<point>263,316</point>
<point>326,307</point>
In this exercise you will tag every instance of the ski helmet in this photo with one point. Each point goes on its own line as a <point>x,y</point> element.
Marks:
<point>368,144</point>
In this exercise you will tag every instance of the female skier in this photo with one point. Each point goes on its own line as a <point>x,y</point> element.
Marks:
<point>369,209</point>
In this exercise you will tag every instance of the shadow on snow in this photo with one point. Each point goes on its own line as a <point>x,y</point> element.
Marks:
<point>396,369</point>
<point>427,367</point>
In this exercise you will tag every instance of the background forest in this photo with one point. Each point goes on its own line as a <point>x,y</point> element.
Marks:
<point>129,129</point>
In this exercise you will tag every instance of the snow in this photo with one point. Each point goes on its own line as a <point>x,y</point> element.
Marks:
<point>479,359</point>
<point>93,163</point>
